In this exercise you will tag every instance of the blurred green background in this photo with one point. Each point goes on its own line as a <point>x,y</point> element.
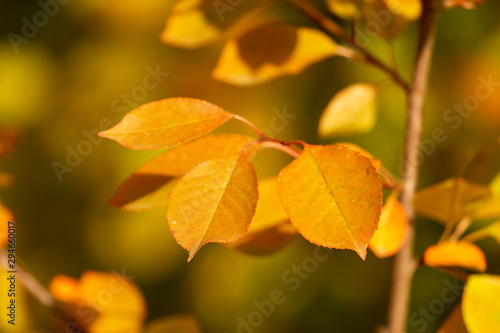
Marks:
<point>73,74</point>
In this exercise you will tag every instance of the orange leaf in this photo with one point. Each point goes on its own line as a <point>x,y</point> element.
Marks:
<point>148,186</point>
<point>392,229</point>
<point>214,202</point>
<point>461,253</point>
<point>333,197</point>
<point>351,111</point>
<point>269,51</point>
<point>178,323</point>
<point>481,303</point>
<point>166,123</point>
<point>454,323</point>
<point>451,200</point>
<point>5,217</point>
<point>270,229</point>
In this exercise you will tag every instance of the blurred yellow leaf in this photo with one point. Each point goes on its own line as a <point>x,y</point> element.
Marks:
<point>351,111</point>
<point>481,303</point>
<point>103,302</point>
<point>214,202</point>
<point>5,217</point>
<point>488,210</point>
<point>409,9</point>
<point>461,253</point>
<point>467,4</point>
<point>493,230</point>
<point>188,26</point>
<point>166,123</point>
<point>346,9</point>
<point>451,200</point>
<point>148,186</point>
<point>269,51</point>
<point>333,197</point>
<point>178,323</point>
<point>392,229</point>
<point>454,323</point>
<point>270,229</point>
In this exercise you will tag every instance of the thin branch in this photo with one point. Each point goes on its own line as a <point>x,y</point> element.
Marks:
<point>334,30</point>
<point>276,145</point>
<point>405,264</point>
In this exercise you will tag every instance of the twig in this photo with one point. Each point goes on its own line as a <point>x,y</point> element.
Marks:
<point>405,264</point>
<point>334,30</point>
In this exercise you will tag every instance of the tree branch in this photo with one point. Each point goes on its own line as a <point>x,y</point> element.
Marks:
<point>405,264</point>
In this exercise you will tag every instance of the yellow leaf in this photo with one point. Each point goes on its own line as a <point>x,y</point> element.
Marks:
<point>270,229</point>
<point>333,197</point>
<point>392,229</point>
<point>493,230</point>
<point>451,200</point>
<point>346,9</point>
<point>104,302</point>
<point>461,253</point>
<point>488,210</point>
<point>351,111</point>
<point>481,303</point>
<point>409,9</point>
<point>5,216</point>
<point>166,123</point>
<point>269,51</point>
<point>178,323</point>
<point>214,202</point>
<point>454,323</point>
<point>148,186</point>
<point>188,26</point>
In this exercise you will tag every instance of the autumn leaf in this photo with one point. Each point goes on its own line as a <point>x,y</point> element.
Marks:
<point>387,179</point>
<point>214,202</point>
<point>454,323</point>
<point>346,9</point>
<point>351,111</point>
<point>123,310</point>
<point>409,9</point>
<point>189,26</point>
<point>451,200</point>
<point>178,323</point>
<point>467,4</point>
<point>333,197</point>
<point>392,229</point>
<point>490,209</point>
<point>270,229</point>
<point>481,303</point>
<point>271,50</point>
<point>5,216</point>
<point>148,187</point>
<point>166,123</point>
<point>461,253</point>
